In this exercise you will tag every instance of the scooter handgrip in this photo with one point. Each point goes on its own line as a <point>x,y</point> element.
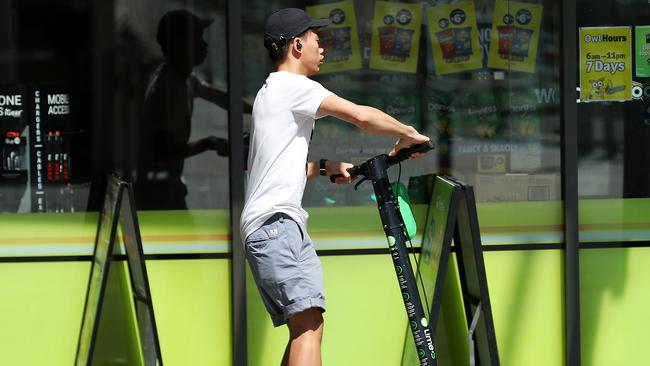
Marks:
<point>354,171</point>
<point>403,154</point>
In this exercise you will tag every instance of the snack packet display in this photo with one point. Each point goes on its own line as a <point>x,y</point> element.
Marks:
<point>454,36</point>
<point>340,39</point>
<point>515,36</point>
<point>395,36</point>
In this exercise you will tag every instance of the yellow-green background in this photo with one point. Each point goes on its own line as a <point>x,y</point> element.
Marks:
<point>41,302</point>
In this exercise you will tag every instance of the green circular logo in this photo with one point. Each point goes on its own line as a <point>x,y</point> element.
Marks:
<point>406,296</point>
<point>424,322</point>
<point>398,269</point>
<point>391,240</point>
<point>413,325</point>
<point>421,353</point>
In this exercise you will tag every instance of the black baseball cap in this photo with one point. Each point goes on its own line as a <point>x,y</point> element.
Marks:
<point>285,24</point>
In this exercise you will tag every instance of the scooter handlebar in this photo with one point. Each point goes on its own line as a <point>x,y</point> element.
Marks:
<point>401,155</point>
<point>404,153</point>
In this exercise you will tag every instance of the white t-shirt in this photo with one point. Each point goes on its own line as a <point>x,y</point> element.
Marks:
<point>283,120</point>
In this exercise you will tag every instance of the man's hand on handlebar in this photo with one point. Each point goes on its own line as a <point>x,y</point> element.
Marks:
<point>411,152</point>
<point>339,169</point>
<point>413,139</point>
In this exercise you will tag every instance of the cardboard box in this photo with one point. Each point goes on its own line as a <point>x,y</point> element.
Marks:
<point>517,187</point>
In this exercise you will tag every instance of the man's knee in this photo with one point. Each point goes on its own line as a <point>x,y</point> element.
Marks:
<point>309,322</point>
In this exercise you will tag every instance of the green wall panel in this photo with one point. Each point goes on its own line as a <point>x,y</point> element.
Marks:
<point>365,322</point>
<point>614,303</point>
<point>527,298</point>
<point>42,304</point>
<point>192,304</point>
<point>40,312</point>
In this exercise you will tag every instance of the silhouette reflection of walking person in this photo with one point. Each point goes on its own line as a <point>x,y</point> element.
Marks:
<point>164,137</point>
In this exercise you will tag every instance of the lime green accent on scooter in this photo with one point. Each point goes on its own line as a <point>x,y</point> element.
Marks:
<point>400,191</point>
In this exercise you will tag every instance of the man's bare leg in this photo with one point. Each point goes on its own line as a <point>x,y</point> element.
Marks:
<point>305,335</point>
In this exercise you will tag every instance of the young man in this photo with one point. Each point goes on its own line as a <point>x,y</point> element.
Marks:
<point>281,255</point>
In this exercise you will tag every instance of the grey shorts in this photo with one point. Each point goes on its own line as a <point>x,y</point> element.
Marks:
<point>287,271</point>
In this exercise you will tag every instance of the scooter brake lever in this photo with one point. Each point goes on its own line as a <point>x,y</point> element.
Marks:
<point>359,182</point>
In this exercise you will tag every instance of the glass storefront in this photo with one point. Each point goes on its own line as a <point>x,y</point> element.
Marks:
<point>141,88</point>
<point>614,176</point>
<point>133,87</point>
<point>136,88</point>
<point>496,124</point>
<point>482,80</point>
<point>491,105</point>
<point>612,143</point>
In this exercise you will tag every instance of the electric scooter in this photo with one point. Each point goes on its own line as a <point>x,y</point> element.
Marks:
<point>375,171</point>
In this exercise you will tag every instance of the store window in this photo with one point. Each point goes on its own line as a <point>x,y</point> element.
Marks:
<point>132,87</point>
<point>494,107</point>
<point>613,176</point>
<point>140,91</point>
<point>171,98</point>
<point>613,114</point>
<point>44,124</point>
<point>480,78</point>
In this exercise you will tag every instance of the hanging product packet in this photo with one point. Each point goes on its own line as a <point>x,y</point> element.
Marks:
<point>515,36</point>
<point>395,36</point>
<point>340,40</point>
<point>454,37</point>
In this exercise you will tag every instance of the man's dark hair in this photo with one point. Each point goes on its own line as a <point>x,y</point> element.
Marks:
<point>280,52</point>
<point>278,48</point>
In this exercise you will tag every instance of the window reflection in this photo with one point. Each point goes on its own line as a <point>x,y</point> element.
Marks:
<point>613,134</point>
<point>172,103</point>
<point>481,78</point>
<point>74,101</point>
<point>164,139</point>
<point>44,129</point>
